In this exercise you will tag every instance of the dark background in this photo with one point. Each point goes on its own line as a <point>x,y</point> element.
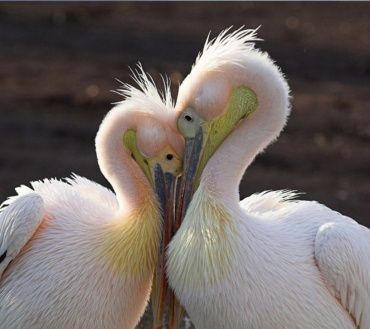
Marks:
<point>58,64</point>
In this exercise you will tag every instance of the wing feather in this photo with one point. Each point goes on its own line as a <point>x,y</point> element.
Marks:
<point>342,251</point>
<point>268,201</point>
<point>20,216</point>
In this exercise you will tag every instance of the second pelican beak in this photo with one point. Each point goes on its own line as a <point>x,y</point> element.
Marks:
<point>164,184</point>
<point>165,178</point>
<point>162,172</point>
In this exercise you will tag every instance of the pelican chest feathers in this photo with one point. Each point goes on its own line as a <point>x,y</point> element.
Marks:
<point>267,261</point>
<point>76,255</point>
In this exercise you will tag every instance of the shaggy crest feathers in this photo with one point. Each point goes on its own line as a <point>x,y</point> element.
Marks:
<point>226,48</point>
<point>146,96</point>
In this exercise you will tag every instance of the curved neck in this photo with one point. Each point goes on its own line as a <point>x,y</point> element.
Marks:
<point>224,170</point>
<point>115,161</point>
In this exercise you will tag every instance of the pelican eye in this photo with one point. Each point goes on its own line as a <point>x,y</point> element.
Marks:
<point>169,156</point>
<point>2,257</point>
<point>188,118</point>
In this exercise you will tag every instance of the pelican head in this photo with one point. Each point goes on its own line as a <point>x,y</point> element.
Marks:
<point>230,83</point>
<point>151,146</point>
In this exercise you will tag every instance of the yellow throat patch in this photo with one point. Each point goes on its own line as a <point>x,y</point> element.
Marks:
<point>133,242</point>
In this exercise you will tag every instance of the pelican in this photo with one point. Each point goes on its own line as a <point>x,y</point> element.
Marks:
<point>267,261</point>
<point>73,254</point>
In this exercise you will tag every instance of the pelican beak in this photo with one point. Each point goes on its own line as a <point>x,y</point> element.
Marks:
<point>164,184</point>
<point>193,149</point>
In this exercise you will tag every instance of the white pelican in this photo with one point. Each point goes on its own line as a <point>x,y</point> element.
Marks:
<point>76,255</point>
<point>267,261</point>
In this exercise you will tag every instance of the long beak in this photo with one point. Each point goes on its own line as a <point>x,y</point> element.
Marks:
<point>165,188</point>
<point>193,148</point>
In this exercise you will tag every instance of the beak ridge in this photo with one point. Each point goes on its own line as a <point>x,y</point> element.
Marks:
<point>193,148</point>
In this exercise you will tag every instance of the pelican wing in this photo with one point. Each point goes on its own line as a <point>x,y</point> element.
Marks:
<point>342,251</point>
<point>20,216</point>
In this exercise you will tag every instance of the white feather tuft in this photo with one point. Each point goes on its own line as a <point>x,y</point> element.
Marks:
<point>147,97</point>
<point>226,48</point>
<point>268,201</point>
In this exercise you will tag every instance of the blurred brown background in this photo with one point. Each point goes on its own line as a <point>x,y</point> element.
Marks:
<point>59,62</point>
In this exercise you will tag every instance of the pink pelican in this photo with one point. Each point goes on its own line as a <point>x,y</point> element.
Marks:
<point>267,261</point>
<point>73,254</point>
